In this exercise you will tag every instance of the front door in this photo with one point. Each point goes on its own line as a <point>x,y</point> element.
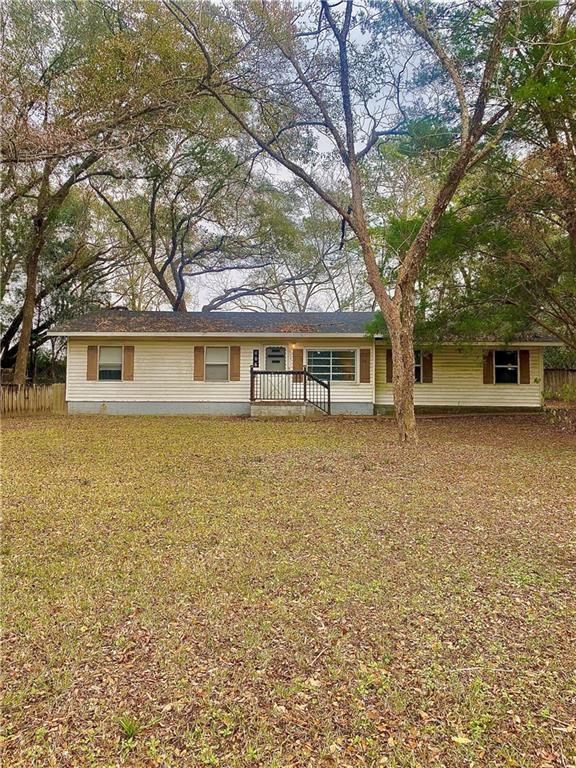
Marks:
<point>275,386</point>
<point>275,358</point>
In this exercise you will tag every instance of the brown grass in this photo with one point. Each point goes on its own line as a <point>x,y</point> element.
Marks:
<point>187,592</point>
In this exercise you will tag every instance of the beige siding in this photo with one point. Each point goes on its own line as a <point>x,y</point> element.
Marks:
<point>458,381</point>
<point>164,371</point>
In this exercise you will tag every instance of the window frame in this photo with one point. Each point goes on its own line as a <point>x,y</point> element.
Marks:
<point>418,366</point>
<point>227,363</point>
<point>111,346</point>
<point>516,367</point>
<point>332,350</point>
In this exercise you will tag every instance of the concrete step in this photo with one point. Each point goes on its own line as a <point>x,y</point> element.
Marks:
<point>276,409</point>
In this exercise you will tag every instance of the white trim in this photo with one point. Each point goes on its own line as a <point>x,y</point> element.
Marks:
<point>216,381</point>
<point>517,368</point>
<point>106,381</point>
<point>418,365</point>
<point>213,335</point>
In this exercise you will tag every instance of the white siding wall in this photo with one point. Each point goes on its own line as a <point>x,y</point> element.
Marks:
<point>164,371</point>
<point>458,381</point>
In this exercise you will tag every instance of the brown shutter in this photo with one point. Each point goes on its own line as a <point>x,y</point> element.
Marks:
<point>427,367</point>
<point>297,363</point>
<point>198,363</point>
<point>488,364</point>
<point>92,364</point>
<point>128,364</point>
<point>389,367</point>
<point>364,366</point>
<point>524,355</point>
<point>234,363</point>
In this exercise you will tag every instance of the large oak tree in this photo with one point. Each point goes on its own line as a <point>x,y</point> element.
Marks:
<point>332,78</point>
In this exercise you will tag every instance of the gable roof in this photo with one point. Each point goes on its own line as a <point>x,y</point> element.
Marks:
<point>126,322</point>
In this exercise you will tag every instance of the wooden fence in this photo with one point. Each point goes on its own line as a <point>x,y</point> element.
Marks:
<point>558,380</point>
<point>47,398</point>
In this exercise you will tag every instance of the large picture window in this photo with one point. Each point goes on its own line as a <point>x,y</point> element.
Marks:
<point>332,364</point>
<point>216,364</point>
<point>110,364</point>
<point>505,366</point>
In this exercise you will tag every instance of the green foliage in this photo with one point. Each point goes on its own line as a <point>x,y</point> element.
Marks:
<point>129,727</point>
<point>560,357</point>
<point>428,134</point>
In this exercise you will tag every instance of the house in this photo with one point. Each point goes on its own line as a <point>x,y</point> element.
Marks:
<point>223,363</point>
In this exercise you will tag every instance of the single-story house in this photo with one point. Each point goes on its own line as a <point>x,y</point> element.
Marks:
<point>123,362</point>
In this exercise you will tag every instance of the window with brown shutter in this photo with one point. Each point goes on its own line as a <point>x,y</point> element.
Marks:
<point>92,363</point>
<point>423,367</point>
<point>234,363</point>
<point>524,356</point>
<point>389,367</point>
<point>488,366</point>
<point>198,363</point>
<point>128,367</point>
<point>364,366</point>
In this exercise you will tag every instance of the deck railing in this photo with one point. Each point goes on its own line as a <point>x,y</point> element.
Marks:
<point>289,387</point>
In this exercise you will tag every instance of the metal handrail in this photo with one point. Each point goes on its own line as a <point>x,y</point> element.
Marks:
<point>290,386</point>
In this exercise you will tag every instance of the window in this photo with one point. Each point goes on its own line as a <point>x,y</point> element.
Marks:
<point>505,366</point>
<point>332,364</point>
<point>216,364</point>
<point>110,364</point>
<point>418,366</point>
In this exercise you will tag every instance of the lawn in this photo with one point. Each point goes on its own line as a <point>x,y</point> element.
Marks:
<point>187,592</point>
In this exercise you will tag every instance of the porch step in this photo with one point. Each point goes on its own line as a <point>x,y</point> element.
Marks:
<point>279,408</point>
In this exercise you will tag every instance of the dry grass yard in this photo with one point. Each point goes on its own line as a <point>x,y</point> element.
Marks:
<point>186,592</point>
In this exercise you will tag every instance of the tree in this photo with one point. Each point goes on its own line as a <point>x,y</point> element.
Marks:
<point>504,259</point>
<point>80,83</point>
<point>302,81</point>
<point>312,268</point>
<point>72,270</point>
<point>182,205</point>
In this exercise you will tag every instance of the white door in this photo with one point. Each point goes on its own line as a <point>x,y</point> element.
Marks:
<point>275,387</point>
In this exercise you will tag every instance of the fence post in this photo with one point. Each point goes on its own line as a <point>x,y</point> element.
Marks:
<point>59,398</point>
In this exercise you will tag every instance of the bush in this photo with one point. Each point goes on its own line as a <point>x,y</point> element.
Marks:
<point>568,393</point>
<point>559,357</point>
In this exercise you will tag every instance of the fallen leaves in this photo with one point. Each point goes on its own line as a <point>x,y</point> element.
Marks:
<point>235,593</point>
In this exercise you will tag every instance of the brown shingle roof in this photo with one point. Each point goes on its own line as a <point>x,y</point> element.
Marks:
<point>123,321</point>
<point>238,323</point>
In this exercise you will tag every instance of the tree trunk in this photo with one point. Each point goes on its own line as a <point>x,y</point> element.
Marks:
<point>399,318</point>
<point>402,341</point>
<point>29,303</point>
